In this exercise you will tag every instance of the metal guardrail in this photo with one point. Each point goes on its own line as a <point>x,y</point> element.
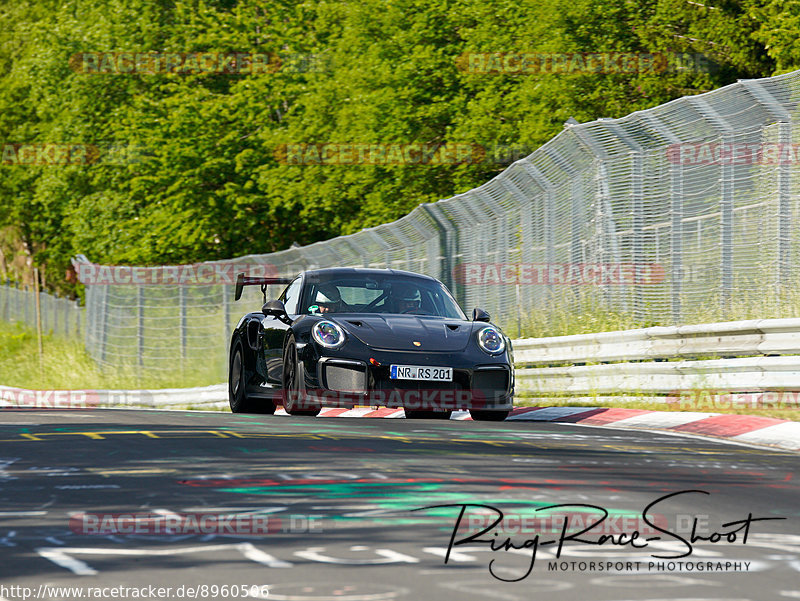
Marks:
<point>752,356</point>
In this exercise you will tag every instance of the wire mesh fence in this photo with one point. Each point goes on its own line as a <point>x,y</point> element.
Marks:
<point>59,316</point>
<point>680,213</point>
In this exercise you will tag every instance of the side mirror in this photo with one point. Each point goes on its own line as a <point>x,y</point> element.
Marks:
<point>275,308</point>
<point>480,315</point>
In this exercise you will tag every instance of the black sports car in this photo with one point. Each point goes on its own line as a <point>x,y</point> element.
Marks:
<point>377,337</point>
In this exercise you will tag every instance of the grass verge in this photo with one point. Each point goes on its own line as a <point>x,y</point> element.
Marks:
<point>65,365</point>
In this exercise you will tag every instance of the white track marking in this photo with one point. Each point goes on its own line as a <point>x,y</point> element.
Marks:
<point>548,414</point>
<point>661,419</point>
<point>385,556</point>
<point>64,556</point>
<point>787,435</point>
<point>6,514</point>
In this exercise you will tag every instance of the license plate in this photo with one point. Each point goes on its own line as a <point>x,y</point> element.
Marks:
<point>419,372</point>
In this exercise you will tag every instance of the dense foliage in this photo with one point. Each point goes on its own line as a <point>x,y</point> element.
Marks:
<point>188,166</point>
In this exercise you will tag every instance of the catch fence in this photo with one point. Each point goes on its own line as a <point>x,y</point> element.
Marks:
<point>682,213</point>
<point>59,316</point>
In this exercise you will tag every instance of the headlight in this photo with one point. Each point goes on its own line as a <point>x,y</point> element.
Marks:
<point>491,340</point>
<point>328,334</point>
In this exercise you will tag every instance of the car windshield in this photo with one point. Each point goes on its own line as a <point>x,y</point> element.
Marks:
<point>392,293</point>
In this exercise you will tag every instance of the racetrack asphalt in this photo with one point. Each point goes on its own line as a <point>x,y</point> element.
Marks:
<point>308,509</point>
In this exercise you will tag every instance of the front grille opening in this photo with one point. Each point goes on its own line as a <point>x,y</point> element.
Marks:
<point>346,379</point>
<point>490,384</point>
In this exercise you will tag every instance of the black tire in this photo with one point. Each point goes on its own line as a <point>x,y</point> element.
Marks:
<point>295,401</point>
<point>237,384</point>
<point>426,414</point>
<point>489,416</point>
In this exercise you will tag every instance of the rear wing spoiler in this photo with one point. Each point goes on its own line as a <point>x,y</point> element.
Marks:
<point>243,280</point>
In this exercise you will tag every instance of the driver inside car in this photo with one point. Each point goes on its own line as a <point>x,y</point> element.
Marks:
<point>407,299</point>
<point>327,300</point>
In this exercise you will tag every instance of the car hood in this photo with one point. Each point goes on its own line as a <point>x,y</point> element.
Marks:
<point>399,332</point>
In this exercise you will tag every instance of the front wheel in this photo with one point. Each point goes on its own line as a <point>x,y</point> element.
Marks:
<point>237,384</point>
<point>488,416</point>
<point>295,401</point>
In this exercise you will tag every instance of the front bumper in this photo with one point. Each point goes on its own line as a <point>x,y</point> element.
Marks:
<point>344,382</point>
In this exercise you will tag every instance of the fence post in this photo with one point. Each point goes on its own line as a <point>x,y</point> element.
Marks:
<point>383,244</point>
<point>6,302</point>
<point>226,316</point>
<point>676,237</point>
<point>140,324</point>
<point>104,324</point>
<point>726,231</point>
<point>577,203</point>
<point>38,294</point>
<point>79,314</point>
<point>446,248</point>
<point>27,300</point>
<point>89,317</point>
<point>182,302</point>
<point>784,208</point>
<point>54,304</point>
<point>549,229</point>
<point>637,249</point>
